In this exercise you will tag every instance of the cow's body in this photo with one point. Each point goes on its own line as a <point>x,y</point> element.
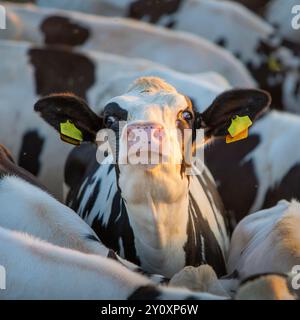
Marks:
<point>267,241</point>
<point>260,171</point>
<point>124,37</point>
<point>98,201</point>
<point>58,273</point>
<point>272,60</point>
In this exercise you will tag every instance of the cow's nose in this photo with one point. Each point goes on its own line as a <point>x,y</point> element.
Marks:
<point>148,132</point>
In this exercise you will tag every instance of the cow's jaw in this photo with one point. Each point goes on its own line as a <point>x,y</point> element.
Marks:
<point>157,205</point>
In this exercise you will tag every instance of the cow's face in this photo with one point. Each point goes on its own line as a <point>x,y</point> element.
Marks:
<point>151,119</point>
<point>150,122</point>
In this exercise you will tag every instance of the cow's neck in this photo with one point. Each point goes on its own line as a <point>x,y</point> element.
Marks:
<point>157,205</point>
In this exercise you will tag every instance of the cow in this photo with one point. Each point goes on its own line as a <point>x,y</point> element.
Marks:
<point>29,208</point>
<point>128,38</point>
<point>28,72</point>
<point>257,173</point>
<point>39,270</point>
<point>266,241</point>
<point>272,59</point>
<point>131,207</point>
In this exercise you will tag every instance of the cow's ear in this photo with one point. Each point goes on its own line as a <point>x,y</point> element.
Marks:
<point>217,118</point>
<point>70,116</point>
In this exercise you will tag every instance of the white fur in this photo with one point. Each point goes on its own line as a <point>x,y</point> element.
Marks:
<point>39,270</point>
<point>27,208</point>
<point>266,241</point>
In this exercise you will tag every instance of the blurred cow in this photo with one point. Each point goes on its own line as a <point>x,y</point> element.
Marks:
<point>266,241</point>
<point>39,270</point>
<point>182,52</point>
<point>273,60</point>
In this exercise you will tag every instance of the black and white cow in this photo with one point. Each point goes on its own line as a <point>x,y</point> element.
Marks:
<point>124,37</point>
<point>256,173</point>
<point>28,207</point>
<point>272,60</point>
<point>155,215</point>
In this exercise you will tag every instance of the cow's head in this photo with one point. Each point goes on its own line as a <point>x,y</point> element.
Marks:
<point>151,141</point>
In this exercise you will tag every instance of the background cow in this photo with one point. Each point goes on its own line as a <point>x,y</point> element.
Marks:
<point>272,60</point>
<point>61,273</point>
<point>132,39</point>
<point>266,241</point>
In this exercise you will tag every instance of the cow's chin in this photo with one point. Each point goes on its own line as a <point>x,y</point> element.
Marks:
<point>152,182</point>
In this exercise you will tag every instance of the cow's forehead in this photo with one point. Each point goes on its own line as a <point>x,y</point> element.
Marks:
<point>139,102</point>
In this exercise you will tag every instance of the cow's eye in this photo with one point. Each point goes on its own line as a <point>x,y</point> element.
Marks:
<point>186,115</point>
<point>110,120</point>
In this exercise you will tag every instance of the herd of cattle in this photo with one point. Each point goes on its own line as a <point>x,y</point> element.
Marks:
<point>73,228</point>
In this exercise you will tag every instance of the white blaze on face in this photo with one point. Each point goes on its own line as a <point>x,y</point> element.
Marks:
<point>150,135</point>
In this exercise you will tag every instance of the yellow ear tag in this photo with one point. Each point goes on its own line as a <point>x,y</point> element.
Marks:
<point>238,129</point>
<point>69,133</point>
<point>274,64</point>
<point>240,136</point>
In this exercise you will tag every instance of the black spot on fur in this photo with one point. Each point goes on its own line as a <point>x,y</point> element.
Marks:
<point>57,70</point>
<point>117,228</point>
<point>201,239</point>
<point>60,30</point>
<point>145,293</point>
<point>78,162</point>
<point>112,255</point>
<point>236,179</point>
<point>9,168</point>
<point>222,42</point>
<point>287,189</point>
<point>31,149</point>
<point>114,109</point>
<point>154,10</point>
